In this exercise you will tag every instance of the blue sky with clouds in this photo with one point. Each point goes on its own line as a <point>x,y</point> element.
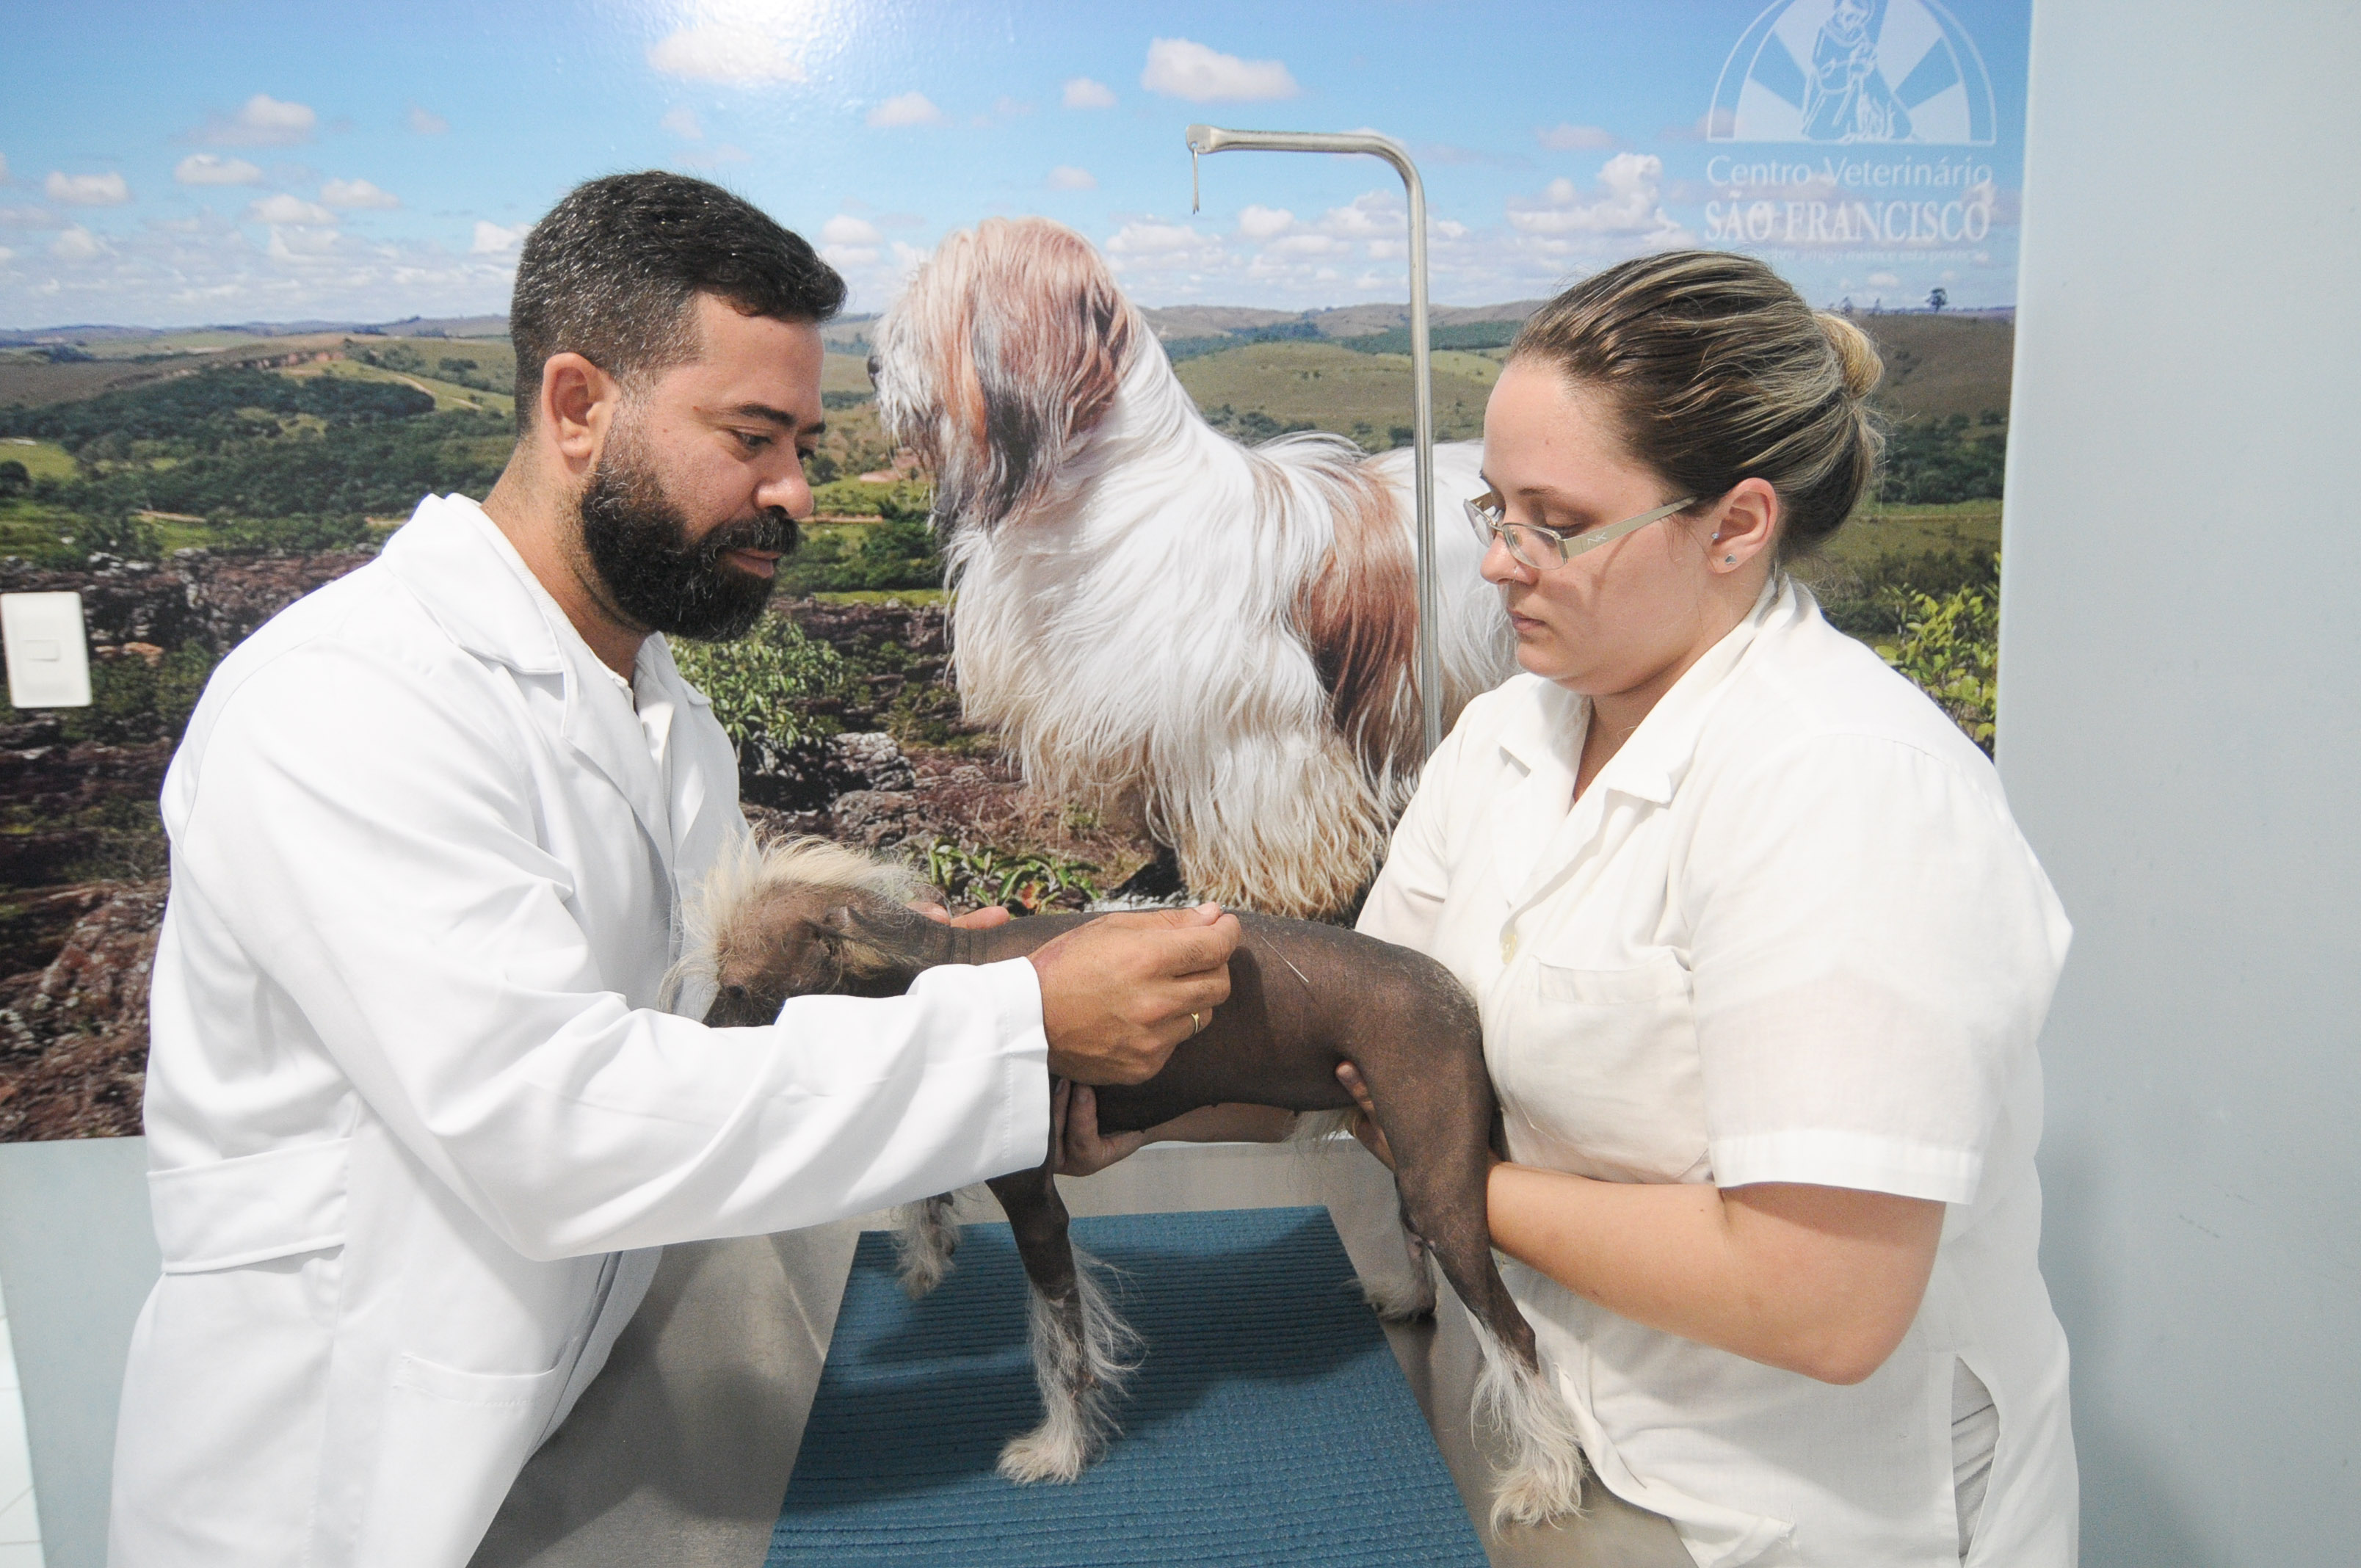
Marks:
<point>186,163</point>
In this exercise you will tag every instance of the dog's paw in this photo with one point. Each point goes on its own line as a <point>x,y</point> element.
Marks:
<point>1042,1455</point>
<point>1401,1300</point>
<point>1531,1495</point>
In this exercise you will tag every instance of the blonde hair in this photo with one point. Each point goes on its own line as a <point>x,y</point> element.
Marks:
<point>1718,372</point>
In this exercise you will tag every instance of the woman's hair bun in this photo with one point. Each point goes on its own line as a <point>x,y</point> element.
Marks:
<point>1858,355</point>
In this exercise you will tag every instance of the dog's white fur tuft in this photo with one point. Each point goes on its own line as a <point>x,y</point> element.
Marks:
<point>926,1234</point>
<point>1409,1297</point>
<point>745,877</point>
<point>1079,1376</point>
<point>1213,639</point>
<point>1542,1477</point>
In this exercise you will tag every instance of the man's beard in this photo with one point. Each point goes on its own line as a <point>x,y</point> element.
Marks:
<point>638,544</point>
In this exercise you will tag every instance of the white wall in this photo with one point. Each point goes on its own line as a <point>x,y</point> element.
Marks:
<point>2180,734</point>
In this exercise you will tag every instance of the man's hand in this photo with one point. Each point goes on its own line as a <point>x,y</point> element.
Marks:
<point>1118,993</point>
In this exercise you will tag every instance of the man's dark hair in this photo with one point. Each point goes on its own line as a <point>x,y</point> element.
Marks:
<point>613,273</point>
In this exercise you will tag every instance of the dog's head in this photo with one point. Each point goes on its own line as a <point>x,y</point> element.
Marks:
<point>802,919</point>
<point>998,360</point>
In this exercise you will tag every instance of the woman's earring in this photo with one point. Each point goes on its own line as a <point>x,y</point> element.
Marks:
<point>1730,559</point>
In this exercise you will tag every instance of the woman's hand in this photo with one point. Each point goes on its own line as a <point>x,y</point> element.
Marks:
<point>1076,1146</point>
<point>1363,1124</point>
<point>1080,1149</point>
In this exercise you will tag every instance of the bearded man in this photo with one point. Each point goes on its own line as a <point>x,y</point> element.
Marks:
<point>415,1120</point>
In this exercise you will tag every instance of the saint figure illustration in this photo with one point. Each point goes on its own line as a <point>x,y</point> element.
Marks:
<point>1846,98</point>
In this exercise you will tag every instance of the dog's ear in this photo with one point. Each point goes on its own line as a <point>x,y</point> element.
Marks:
<point>1050,334</point>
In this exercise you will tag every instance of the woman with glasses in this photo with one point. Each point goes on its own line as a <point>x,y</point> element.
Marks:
<point>1761,955</point>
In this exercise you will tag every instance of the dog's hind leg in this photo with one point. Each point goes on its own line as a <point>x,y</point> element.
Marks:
<point>925,1235</point>
<point>1081,1349</point>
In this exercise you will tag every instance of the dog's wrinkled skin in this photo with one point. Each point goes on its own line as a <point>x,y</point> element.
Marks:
<point>809,917</point>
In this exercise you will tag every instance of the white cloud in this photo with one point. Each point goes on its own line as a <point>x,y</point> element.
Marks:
<point>1372,216</point>
<point>908,109</point>
<point>282,208</point>
<point>205,265</point>
<point>683,123</point>
<point>357,194</point>
<point>1309,244</point>
<point>300,246</point>
<point>88,189</point>
<point>495,239</point>
<point>426,123</point>
<point>77,244</point>
<point>1067,177</point>
<point>6,254</point>
<point>1081,92</point>
<point>1260,223</point>
<point>1179,68</point>
<point>261,121</point>
<point>1629,201</point>
<point>1884,281</point>
<point>212,169</point>
<point>1153,238</point>
<point>1566,137</point>
<point>738,50</point>
<point>846,229</point>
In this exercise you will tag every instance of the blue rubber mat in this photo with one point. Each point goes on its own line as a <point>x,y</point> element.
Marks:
<point>1268,1422</point>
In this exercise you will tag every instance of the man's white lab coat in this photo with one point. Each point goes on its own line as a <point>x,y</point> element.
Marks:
<point>415,1121</point>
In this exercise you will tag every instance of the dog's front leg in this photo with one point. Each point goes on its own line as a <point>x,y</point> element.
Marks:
<point>1081,1348</point>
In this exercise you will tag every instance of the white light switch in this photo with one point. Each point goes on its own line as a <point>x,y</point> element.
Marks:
<point>49,652</point>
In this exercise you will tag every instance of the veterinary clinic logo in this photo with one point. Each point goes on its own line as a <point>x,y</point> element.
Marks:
<point>1855,72</point>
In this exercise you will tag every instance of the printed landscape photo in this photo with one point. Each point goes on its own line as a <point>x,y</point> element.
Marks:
<point>190,485</point>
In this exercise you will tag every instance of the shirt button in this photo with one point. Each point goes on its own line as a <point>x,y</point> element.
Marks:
<point>1507,947</point>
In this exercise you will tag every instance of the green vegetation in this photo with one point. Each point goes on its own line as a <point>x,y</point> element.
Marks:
<point>1950,647</point>
<point>863,558</point>
<point>1944,460</point>
<point>763,685</point>
<point>903,500</point>
<point>1321,385</point>
<point>199,413</point>
<point>1023,882</point>
<point>1177,349</point>
<point>1466,335</point>
<point>39,459</point>
<point>486,365</point>
<point>133,701</point>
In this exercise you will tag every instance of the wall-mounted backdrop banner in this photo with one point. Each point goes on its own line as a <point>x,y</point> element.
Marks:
<point>254,262</point>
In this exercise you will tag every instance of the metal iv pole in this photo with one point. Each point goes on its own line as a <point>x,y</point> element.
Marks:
<point>1203,139</point>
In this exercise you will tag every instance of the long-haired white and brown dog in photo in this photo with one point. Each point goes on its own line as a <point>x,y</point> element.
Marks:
<point>1215,639</point>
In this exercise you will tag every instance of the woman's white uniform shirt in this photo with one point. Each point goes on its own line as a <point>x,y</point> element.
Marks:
<point>1790,934</point>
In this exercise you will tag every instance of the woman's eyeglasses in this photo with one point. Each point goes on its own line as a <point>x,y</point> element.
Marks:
<point>1539,549</point>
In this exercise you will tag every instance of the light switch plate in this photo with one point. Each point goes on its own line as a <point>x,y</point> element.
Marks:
<point>49,651</point>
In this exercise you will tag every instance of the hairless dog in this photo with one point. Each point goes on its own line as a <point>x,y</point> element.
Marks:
<point>807,916</point>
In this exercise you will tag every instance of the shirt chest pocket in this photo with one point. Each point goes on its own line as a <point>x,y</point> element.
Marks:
<point>1597,1069</point>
